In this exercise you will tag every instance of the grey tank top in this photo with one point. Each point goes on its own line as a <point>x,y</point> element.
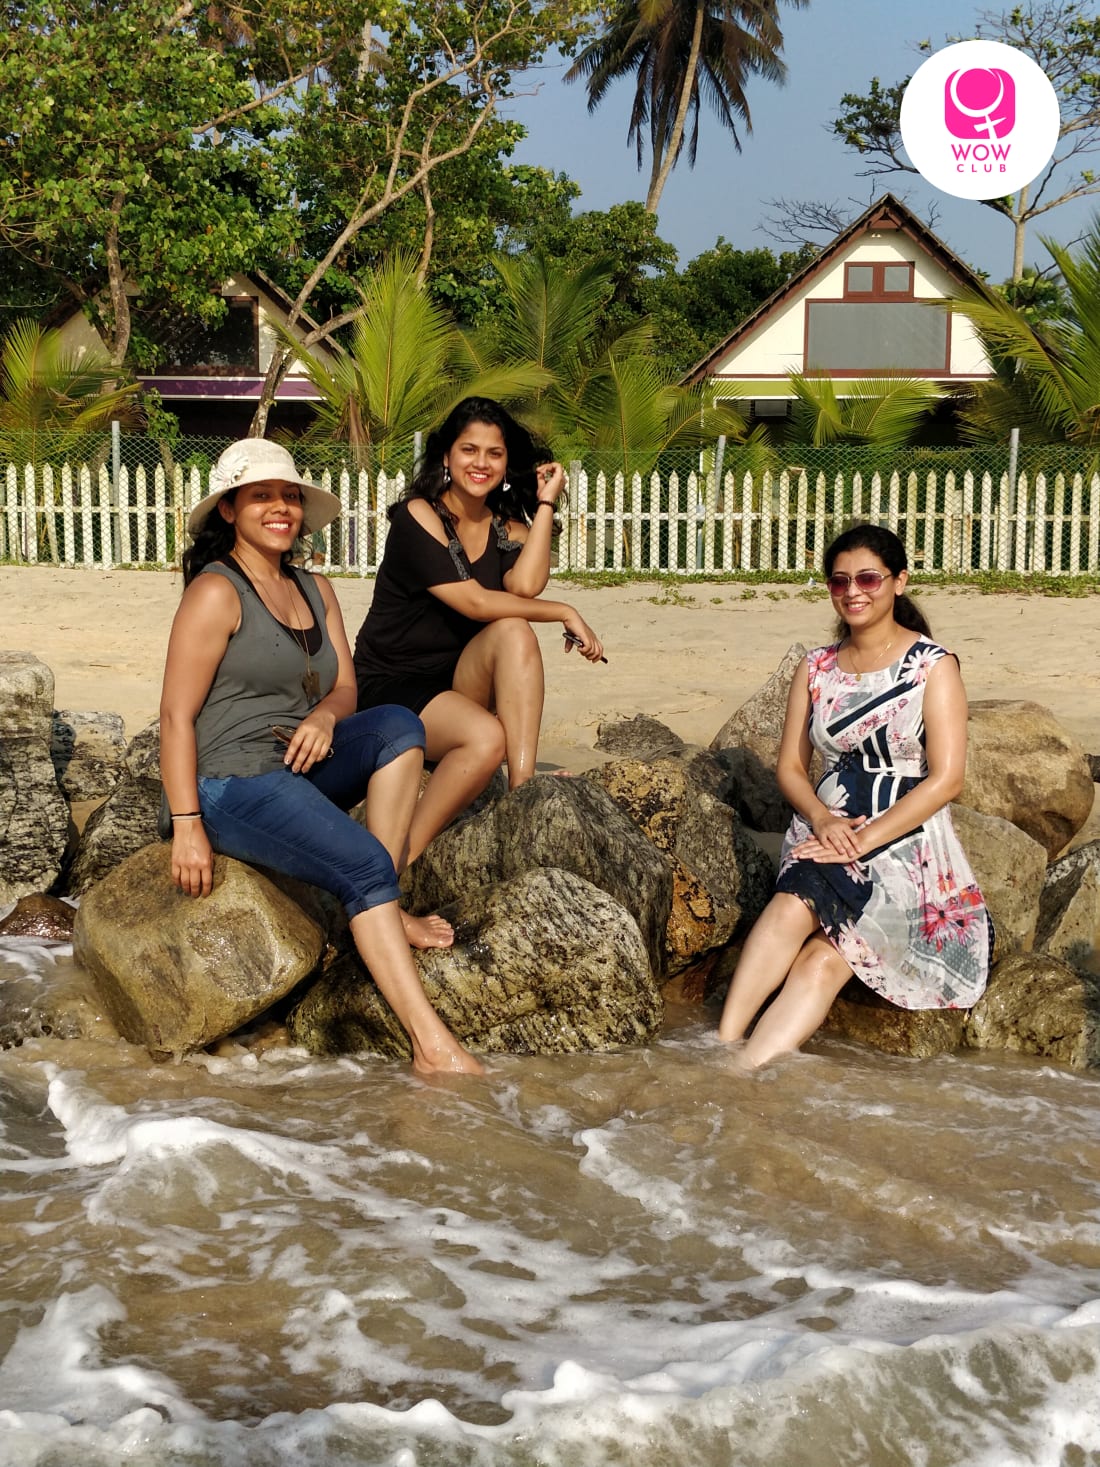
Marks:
<point>259,683</point>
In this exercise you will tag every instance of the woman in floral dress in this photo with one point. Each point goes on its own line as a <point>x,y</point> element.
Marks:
<point>872,881</point>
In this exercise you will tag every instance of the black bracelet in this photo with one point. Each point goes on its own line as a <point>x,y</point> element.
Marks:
<point>543,504</point>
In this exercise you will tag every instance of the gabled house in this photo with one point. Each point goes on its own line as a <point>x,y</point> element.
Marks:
<point>211,376</point>
<point>858,310</point>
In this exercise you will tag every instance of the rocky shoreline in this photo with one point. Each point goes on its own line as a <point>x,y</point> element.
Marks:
<point>581,905</point>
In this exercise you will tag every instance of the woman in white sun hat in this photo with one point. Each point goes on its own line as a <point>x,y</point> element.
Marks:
<point>262,752</point>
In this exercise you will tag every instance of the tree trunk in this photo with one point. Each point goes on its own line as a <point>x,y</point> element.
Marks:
<point>1020,217</point>
<point>676,137</point>
<point>119,343</point>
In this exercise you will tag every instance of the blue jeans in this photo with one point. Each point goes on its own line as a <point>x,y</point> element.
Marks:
<point>297,823</point>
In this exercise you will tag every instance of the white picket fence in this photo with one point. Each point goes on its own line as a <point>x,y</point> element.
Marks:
<point>679,524</point>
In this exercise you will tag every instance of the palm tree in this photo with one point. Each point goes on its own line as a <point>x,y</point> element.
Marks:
<point>884,412</point>
<point>599,395</point>
<point>681,51</point>
<point>1047,380</point>
<point>406,366</point>
<point>56,401</point>
<point>53,397</point>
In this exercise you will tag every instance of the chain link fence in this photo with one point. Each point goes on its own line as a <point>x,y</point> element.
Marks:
<point>124,500</point>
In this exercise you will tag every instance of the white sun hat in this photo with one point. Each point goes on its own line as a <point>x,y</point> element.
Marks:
<point>251,461</point>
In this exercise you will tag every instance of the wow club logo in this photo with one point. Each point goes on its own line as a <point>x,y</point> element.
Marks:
<point>979,120</point>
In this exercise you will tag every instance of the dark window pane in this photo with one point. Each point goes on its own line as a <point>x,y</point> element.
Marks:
<point>861,279</point>
<point>198,348</point>
<point>905,336</point>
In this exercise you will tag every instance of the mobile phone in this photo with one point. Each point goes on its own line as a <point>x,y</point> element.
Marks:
<point>572,640</point>
<point>282,733</point>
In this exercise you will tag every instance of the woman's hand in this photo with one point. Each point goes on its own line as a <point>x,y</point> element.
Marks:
<point>836,838</point>
<point>192,858</point>
<point>549,482</point>
<point>588,645</point>
<point>312,741</point>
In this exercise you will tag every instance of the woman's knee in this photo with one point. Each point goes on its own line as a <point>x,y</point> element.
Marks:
<point>515,638</point>
<point>819,969</point>
<point>467,729</point>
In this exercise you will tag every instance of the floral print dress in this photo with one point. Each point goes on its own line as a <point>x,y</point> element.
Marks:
<point>908,918</point>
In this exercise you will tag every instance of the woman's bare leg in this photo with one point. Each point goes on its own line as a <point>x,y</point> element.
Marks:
<point>502,669</point>
<point>817,976</point>
<point>389,807</point>
<point>766,958</point>
<point>380,941</point>
<point>466,744</point>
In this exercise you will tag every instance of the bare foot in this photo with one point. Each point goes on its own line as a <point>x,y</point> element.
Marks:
<point>445,1059</point>
<point>427,932</point>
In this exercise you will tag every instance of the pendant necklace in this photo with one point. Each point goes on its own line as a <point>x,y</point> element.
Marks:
<point>852,657</point>
<point>311,678</point>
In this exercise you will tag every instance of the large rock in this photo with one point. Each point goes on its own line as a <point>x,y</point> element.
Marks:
<point>46,918</point>
<point>1069,910</point>
<point>860,1014</point>
<point>747,746</point>
<point>1036,1004</point>
<point>549,821</point>
<point>1023,766</point>
<point>35,825</point>
<point>721,881</point>
<point>1010,868</point>
<point>176,973</point>
<point>647,739</point>
<point>127,820</point>
<point>545,963</point>
<point>88,752</point>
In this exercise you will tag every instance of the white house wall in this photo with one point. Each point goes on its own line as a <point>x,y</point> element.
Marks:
<point>776,346</point>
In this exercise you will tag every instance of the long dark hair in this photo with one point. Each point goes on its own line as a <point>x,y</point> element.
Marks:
<point>215,541</point>
<point>517,501</point>
<point>890,550</point>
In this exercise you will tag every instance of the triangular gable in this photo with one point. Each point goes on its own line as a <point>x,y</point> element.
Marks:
<point>886,214</point>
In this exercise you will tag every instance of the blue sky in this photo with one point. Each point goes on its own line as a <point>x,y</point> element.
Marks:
<point>833,47</point>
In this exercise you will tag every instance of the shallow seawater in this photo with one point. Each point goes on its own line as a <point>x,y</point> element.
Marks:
<point>592,1260</point>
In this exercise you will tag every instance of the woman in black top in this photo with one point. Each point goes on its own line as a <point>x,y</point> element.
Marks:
<point>448,633</point>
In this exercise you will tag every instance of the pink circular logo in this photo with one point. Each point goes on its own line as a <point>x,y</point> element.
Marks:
<point>979,120</point>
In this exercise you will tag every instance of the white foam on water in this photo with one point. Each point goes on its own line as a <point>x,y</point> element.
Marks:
<point>577,1262</point>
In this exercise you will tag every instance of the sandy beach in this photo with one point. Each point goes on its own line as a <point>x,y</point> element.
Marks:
<point>686,654</point>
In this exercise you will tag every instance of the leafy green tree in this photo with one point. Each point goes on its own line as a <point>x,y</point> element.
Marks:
<point>1047,380</point>
<point>372,139</point>
<point>681,51</point>
<point>1063,37</point>
<point>885,412</point>
<point>135,168</point>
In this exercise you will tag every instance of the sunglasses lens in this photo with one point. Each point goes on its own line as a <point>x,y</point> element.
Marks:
<point>867,580</point>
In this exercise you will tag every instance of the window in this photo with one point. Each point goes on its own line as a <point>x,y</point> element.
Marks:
<point>872,337</point>
<point>194,347</point>
<point>879,280</point>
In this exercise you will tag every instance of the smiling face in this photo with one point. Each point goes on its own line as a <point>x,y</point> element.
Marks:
<point>477,459</point>
<point>267,514</point>
<point>865,607</point>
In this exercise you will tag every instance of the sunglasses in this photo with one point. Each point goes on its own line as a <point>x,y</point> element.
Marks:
<point>868,580</point>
